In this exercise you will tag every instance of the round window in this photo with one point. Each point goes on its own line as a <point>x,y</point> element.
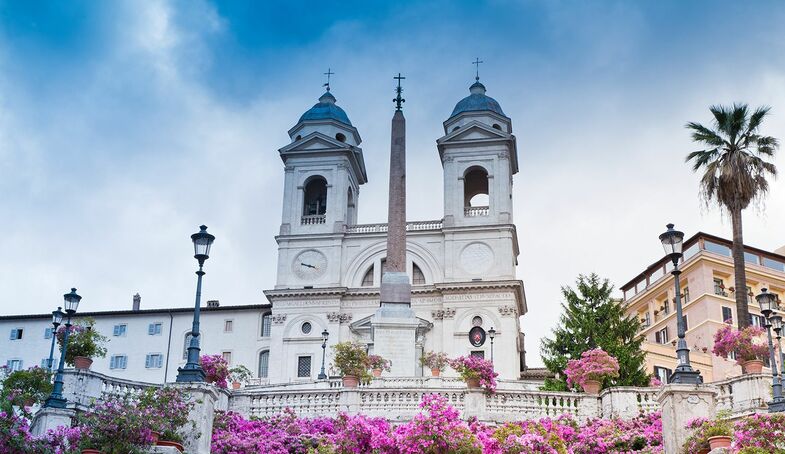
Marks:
<point>477,321</point>
<point>306,328</point>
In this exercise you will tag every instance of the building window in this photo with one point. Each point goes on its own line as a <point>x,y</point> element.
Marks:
<point>315,197</point>
<point>118,362</point>
<point>304,366</point>
<point>306,328</point>
<point>684,322</point>
<point>14,364</point>
<point>16,334</point>
<point>266,324</point>
<point>686,294</point>
<point>154,361</point>
<point>478,354</point>
<point>661,336</point>
<point>368,278</point>
<point>45,363</point>
<point>186,344</point>
<point>475,188</point>
<point>727,315</point>
<point>48,333</point>
<point>264,361</point>
<point>477,321</point>
<point>154,329</point>
<point>662,373</point>
<point>418,278</point>
<point>119,330</point>
<point>757,320</point>
<point>666,307</point>
<point>228,326</point>
<point>227,356</point>
<point>719,287</point>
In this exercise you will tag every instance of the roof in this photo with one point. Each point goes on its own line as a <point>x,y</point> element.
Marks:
<point>244,307</point>
<point>326,109</point>
<point>477,101</point>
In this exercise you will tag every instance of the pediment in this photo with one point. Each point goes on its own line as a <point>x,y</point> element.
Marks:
<point>474,131</point>
<point>315,141</point>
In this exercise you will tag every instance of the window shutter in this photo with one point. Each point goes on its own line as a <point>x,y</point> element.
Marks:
<point>657,337</point>
<point>111,362</point>
<point>147,360</point>
<point>13,334</point>
<point>151,329</point>
<point>116,330</point>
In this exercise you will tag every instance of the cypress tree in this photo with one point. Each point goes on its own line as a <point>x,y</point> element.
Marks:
<point>593,319</point>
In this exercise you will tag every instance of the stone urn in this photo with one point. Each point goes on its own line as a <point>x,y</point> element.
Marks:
<point>753,366</point>
<point>82,362</point>
<point>592,387</point>
<point>376,373</point>
<point>350,381</point>
<point>473,383</point>
<point>435,371</point>
<point>720,441</point>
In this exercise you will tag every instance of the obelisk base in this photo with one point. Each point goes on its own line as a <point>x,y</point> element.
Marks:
<point>395,325</point>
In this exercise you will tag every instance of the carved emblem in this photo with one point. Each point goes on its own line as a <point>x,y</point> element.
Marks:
<point>337,317</point>
<point>449,313</point>
<point>278,319</point>
<point>507,311</point>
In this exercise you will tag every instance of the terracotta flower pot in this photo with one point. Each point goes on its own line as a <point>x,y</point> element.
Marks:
<point>156,436</point>
<point>753,366</point>
<point>173,444</point>
<point>91,451</point>
<point>720,441</point>
<point>377,372</point>
<point>436,371</point>
<point>235,385</point>
<point>350,381</point>
<point>473,383</point>
<point>592,387</point>
<point>82,362</point>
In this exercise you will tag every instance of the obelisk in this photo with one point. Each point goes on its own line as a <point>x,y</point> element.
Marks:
<point>394,323</point>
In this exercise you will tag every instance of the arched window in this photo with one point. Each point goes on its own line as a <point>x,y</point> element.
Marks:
<point>298,137</point>
<point>340,137</point>
<point>475,192</point>
<point>418,278</point>
<point>496,126</point>
<point>477,321</point>
<point>456,128</point>
<point>315,203</point>
<point>266,324</point>
<point>368,278</point>
<point>264,361</point>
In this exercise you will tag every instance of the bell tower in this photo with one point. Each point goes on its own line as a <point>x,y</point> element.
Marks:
<point>324,170</point>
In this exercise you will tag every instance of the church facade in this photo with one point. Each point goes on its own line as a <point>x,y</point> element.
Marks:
<point>462,266</point>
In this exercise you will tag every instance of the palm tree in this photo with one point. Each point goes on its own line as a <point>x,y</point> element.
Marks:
<point>734,175</point>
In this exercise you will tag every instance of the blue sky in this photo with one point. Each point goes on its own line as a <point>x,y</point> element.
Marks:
<point>124,125</point>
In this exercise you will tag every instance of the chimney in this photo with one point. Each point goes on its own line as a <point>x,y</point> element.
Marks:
<point>213,303</point>
<point>137,302</point>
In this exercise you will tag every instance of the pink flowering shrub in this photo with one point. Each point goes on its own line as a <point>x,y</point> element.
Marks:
<point>594,364</point>
<point>438,429</point>
<point>763,431</point>
<point>728,340</point>
<point>377,362</point>
<point>655,382</point>
<point>15,438</point>
<point>216,369</point>
<point>473,367</point>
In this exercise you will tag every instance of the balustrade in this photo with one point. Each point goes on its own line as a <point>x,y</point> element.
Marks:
<point>313,219</point>
<point>471,212</point>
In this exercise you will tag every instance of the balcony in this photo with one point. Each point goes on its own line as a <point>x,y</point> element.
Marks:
<point>471,212</point>
<point>382,228</point>
<point>313,219</point>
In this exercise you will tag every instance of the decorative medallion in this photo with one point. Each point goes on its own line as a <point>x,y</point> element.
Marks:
<point>476,258</point>
<point>477,336</point>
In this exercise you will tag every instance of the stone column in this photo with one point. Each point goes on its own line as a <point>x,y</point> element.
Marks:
<point>206,399</point>
<point>51,418</point>
<point>680,403</point>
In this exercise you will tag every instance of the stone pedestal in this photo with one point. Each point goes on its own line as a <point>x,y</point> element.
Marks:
<point>206,398</point>
<point>50,418</point>
<point>394,336</point>
<point>349,401</point>
<point>475,404</point>
<point>679,404</point>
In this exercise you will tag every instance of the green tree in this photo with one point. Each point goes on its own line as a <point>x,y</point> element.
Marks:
<point>593,319</point>
<point>734,175</point>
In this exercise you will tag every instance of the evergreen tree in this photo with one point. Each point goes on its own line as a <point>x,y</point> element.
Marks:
<point>593,319</point>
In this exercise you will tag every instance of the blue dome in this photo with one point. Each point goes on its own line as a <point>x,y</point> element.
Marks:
<point>477,101</point>
<point>326,109</point>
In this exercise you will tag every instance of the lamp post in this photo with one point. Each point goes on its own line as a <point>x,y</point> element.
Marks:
<point>767,304</point>
<point>71,303</point>
<point>192,371</point>
<point>325,335</point>
<point>57,319</point>
<point>672,241</point>
<point>491,335</point>
<point>776,325</point>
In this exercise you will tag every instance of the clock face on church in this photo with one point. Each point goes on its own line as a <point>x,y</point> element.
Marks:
<point>309,265</point>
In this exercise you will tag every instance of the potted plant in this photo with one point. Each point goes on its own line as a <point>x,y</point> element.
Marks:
<point>591,370</point>
<point>351,361</point>
<point>378,364</point>
<point>434,361</point>
<point>239,375</point>
<point>168,409</point>
<point>216,369</point>
<point>25,388</point>
<point>475,371</point>
<point>709,434</point>
<point>742,343</point>
<point>117,426</point>
<point>84,344</point>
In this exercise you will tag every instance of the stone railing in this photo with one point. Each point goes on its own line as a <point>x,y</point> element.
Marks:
<point>382,228</point>
<point>743,395</point>
<point>313,219</point>
<point>471,212</point>
<point>84,388</point>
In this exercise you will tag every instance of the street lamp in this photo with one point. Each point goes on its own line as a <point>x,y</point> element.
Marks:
<point>672,241</point>
<point>71,303</point>
<point>57,319</point>
<point>325,335</point>
<point>776,325</point>
<point>192,371</point>
<point>767,303</point>
<point>491,335</point>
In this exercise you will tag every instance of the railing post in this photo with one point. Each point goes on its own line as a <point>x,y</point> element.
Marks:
<point>50,418</point>
<point>679,404</point>
<point>475,404</point>
<point>205,398</point>
<point>349,400</point>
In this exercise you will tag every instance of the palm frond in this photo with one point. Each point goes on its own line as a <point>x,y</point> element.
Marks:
<point>701,158</point>
<point>757,118</point>
<point>703,134</point>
